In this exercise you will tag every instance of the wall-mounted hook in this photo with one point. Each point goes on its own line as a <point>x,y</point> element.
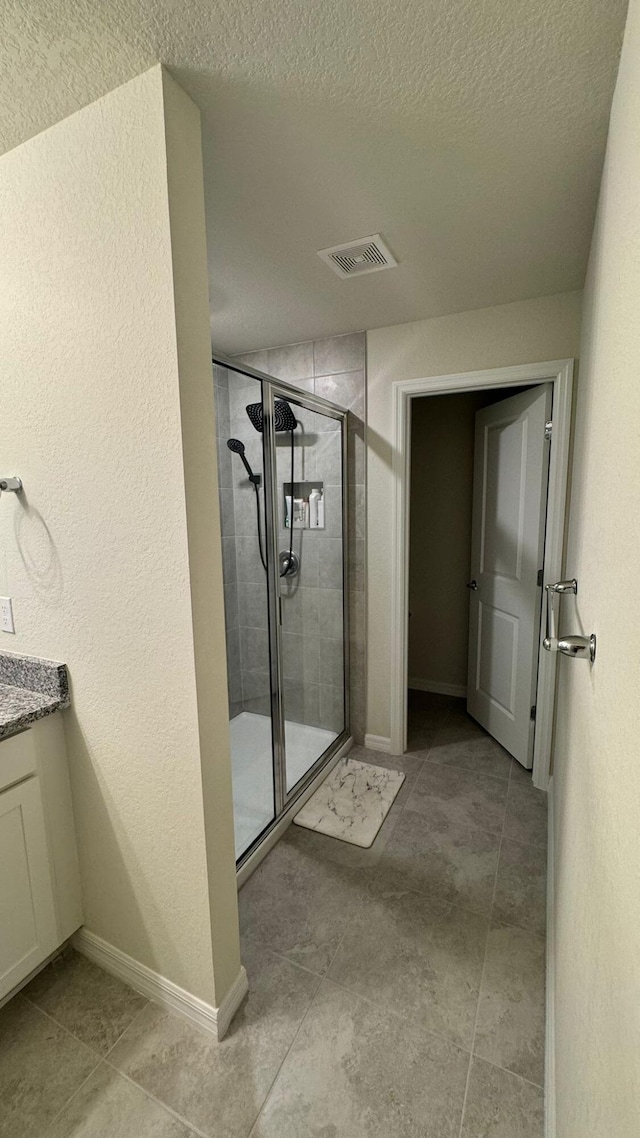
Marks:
<point>12,484</point>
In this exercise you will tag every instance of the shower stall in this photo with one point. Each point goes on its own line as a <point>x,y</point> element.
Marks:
<point>283,487</point>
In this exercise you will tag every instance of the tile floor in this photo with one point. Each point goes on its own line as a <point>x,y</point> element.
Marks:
<point>396,991</point>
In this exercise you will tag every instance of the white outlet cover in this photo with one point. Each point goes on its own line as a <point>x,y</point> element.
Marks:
<point>6,615</point>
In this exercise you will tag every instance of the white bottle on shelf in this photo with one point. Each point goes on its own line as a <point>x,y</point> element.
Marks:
<point>314,498</point>
<point>320,522</point>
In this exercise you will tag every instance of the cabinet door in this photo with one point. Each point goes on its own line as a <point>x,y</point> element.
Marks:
<point>27,912</point>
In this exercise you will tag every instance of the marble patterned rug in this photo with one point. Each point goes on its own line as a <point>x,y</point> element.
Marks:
<point>352,802</point>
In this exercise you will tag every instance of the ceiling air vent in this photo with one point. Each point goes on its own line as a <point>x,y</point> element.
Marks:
<point>354,258</point>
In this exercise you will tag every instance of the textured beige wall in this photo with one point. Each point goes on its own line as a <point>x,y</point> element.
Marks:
<point>104,366</point>
<point>528,331</point>
<point>597,770</point>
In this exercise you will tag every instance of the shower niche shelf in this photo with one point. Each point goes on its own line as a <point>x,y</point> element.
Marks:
<point>304,502</point>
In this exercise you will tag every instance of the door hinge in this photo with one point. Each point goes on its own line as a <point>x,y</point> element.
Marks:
<point>540,577</point>
<point>548,427</point>
<point>533,712</point>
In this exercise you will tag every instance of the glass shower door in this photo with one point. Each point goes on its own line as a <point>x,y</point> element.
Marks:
<point>281,463</point>
<point>245,559</point>
<point>309,519</point>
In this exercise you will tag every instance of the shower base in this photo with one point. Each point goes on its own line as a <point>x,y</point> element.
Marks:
<point>252,769</point>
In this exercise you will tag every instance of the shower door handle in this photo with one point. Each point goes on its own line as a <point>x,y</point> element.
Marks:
<point>472,584</point>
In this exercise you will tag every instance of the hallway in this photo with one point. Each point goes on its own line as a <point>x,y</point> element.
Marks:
<point>391,988</point>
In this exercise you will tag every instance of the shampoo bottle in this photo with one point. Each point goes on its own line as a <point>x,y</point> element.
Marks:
<point>314,498</point>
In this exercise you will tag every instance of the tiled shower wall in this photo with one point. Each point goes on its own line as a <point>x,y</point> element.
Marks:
<point>335,369</point>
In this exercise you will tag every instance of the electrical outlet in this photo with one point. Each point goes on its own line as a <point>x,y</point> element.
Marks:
<point>6,615</point>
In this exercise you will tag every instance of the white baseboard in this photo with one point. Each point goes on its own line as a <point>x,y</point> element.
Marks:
<point>377,743</point>
<point>215,1021</point>
<point>550,1040</point>
<point>459,690</point>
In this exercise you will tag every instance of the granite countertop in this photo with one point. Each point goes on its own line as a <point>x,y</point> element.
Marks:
<point>30,688</point>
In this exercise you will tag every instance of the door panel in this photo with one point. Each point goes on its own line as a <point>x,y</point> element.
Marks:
<point>27,912</point>
<point>511,466</point>
<point>496,656</point>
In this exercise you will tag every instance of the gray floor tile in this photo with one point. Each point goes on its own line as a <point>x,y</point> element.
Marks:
<point>426,705</point>
<point>459,797</point>
<point>108,1106</point>
<point>501,1105</point>
<point>220,1087</point>
<point>299,905</point>
<point>521,887</point>
<point>41,1066</point>
<point>418,957</point>
<point>459,725</point>
<point>522,775</point>
<point>91,1004</point>
<point>354,1071</point>
<point>526,817</point>
<point>511,1013</point>
<point>420,740</point>
<point>478,753</point>
<point>440,858</point>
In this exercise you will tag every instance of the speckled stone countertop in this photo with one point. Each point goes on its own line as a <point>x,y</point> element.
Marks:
<point>30,688</point>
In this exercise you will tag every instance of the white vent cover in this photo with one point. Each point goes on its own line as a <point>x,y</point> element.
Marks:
<point>354,258</point>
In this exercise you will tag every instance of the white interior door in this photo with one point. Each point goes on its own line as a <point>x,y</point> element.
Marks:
<point>511,466</point>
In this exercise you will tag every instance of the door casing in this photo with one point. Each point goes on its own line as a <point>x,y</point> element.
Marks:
<point>560,374</point>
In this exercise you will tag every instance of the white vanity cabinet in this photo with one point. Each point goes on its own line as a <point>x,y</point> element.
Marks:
<point>39,882</point>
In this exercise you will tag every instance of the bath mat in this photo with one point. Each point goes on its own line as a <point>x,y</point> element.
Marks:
<point>352,802</point>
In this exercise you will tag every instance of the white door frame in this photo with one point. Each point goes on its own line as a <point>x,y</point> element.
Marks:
<point>558,372</point>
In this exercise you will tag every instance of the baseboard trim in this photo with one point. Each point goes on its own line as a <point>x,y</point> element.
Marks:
<point>459,690</point>
<point>550,1039</point>
<point>377,743</point>
<point>214,1021</point>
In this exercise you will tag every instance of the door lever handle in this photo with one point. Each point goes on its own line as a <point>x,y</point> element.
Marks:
<point>472,584</point>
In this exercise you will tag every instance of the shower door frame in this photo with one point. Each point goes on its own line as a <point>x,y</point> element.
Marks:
<point>284,800</point>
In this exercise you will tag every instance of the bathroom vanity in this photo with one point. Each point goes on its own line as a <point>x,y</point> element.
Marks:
<point>39,881</point>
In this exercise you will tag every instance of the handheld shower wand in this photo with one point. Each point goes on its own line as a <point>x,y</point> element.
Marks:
<point>237,447</point>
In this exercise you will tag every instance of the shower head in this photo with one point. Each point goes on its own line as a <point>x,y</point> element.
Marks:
<point>237,447</point>
<point>285,419</point>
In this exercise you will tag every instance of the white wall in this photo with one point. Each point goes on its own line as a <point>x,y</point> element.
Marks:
<point>528,331</point>
<point>597,768</point>
<point>112,553</point>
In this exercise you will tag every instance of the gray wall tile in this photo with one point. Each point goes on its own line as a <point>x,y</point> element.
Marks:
<point>331,707</point>
<point>344,388</point>
<point>227,512</point>
<point>255,685</point>
<point>331,657</point>
<point>254,649</point>
<point>252,610</point>
<point>339,354</point>
<point>292,362</point>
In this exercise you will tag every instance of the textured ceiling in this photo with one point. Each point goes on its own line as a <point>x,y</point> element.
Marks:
<point>470,133</point>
